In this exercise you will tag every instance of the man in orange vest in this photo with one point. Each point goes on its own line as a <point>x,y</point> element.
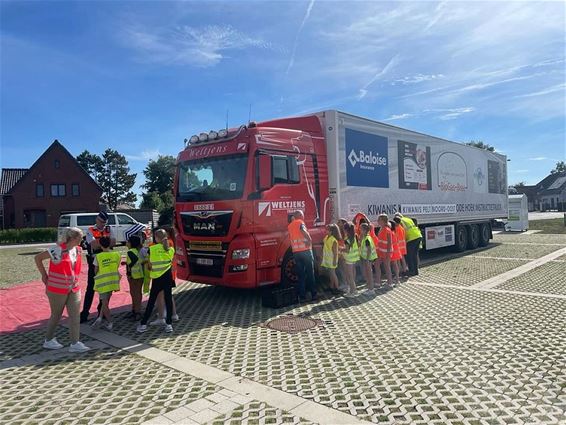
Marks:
<point>93,235</point>
<point>301,245</point>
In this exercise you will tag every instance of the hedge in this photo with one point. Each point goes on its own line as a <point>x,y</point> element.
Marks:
<point>27,235</point>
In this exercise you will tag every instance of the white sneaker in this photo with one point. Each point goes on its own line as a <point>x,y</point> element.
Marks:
<point>370,291</point>
<point>97,323</point>
<point>78,347</point>
<point>52,344</point>
<point>175,318</point>
<point>157,322</point>
<point>141,328</point>
<point>168,328</point>
<point>108,326</point>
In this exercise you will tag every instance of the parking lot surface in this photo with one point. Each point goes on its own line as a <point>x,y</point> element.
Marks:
<point>478,338</point>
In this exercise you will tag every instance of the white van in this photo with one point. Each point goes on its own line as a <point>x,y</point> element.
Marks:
<point>119,222</point>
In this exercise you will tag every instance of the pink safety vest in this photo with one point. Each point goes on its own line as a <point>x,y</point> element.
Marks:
<point>62,277</point>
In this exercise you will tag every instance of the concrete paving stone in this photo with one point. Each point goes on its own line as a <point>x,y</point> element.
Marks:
<point>179,413</point>
<point>202,371</point>
<point>217,397</point>
<point>240,399</point>
<point>224,406</point>
<point>228,393</point>
<point>199,405</point>
<point>159,420</point>
<point>515,251</point>
<point>204,416</point>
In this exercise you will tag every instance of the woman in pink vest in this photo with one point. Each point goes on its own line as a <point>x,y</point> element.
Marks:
<point>62,288</point>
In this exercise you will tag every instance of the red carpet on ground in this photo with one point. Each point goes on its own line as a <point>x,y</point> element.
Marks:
<point>25,306</point>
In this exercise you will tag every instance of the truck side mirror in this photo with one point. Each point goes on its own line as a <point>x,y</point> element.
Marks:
<point>265,172</point>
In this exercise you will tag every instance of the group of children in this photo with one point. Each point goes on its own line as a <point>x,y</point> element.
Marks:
<point>147,266</point>
<point>349,245</point>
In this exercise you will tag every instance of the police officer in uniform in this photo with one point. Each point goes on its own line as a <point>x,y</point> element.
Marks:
<point>94,233</point>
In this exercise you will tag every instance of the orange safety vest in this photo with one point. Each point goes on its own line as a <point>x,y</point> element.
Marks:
<point>396,254</point>
<point>382,249</point>
<point>298,242</point>
<point>62,277</point>
<point>99,233</point>
<point>358,227</point>
<point>400,233</point>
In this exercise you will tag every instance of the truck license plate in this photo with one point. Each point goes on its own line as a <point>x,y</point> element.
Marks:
<point>205,261</point>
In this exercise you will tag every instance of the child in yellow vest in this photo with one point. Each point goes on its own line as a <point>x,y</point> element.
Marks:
<point>106,280</point>
<point>330,255</point>
<point>368,255</point>
<point>135,273</point>
<point>351,258</point>
<point>160,262</point>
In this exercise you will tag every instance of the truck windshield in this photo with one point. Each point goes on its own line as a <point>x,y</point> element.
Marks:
<point>212,179</point>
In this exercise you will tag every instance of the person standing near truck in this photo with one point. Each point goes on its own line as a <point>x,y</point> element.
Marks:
<point>301,245</point>
<point>93,236</point>
<point>413,238</point>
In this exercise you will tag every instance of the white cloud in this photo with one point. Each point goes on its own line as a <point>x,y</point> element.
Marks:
<point>417,78</point>
<point>392,62</point>
<point>548,90</point>
<point>398,117</point>
<point>295,43</point>
<point>521,171</point>
<point>538,158</point>
<point>145,155</point>
<point>185,45</point>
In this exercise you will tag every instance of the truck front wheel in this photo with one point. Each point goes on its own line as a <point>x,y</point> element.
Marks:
<point>461,239</point>
<point>288,274</point>
<point>474,236</point>
<point>485,234</point>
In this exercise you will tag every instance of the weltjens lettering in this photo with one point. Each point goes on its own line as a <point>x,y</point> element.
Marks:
<point>207,151</point>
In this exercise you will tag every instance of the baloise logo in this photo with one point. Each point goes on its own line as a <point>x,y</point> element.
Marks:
<point>367,159</point>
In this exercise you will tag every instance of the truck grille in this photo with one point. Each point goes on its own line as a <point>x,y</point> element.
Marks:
<point>206,223</point>
<point>206,259</point>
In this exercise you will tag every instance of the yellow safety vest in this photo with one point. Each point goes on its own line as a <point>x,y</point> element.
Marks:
<point>107,279</point>
<point>327,253</point>
<point>136,270</point>
<point>160,260</point>
<point>353,255</point>
<point>363,249</point>
<point>412,231</point>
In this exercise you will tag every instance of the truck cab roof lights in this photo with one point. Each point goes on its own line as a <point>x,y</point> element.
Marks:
<point>203,137</point>
<point>222,133</point>
<point>193,139</point>
<point>212,135</point>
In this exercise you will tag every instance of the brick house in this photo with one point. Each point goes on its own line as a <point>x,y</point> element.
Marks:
<point>54,184</point>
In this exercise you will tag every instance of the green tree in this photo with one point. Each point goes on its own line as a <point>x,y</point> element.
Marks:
<point>560,167</point>
<point>151,201</point>
<point>481,145</point>
<point>91,163</point>
<point>159,174</point>
<point>116,180</point>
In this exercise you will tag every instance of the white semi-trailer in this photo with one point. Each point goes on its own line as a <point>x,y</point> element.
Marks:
<point>453,191</point>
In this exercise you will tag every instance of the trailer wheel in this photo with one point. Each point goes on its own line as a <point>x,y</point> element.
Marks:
<point>461,239</point>
<point>473,236</point>
<point>485,233</point>
<point>288,274</point>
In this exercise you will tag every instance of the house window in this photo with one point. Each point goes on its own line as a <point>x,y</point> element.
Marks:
<point>75,190</point>
<point>39,190</point>
<point>57,164</point>
<point>57,190</point>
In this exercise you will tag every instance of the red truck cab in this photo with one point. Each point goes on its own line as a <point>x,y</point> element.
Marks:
<point>235,190</point>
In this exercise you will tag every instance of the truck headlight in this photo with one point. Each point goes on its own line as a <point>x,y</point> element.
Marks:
<point>241,254</point>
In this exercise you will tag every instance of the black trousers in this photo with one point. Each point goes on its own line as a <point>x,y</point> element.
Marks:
<point>162,283</point>
<point>413,256</point>
<point>89,294</point>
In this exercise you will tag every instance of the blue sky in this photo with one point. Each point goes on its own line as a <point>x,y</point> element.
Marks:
<point>141,76</point>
